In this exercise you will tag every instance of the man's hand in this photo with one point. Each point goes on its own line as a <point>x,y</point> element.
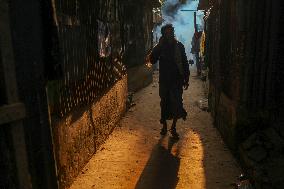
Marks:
<point>148,61</point>
<point>185,86</point>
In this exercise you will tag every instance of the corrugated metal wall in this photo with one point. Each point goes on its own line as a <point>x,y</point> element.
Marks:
<point>89,52</point>
<point>242,51</point>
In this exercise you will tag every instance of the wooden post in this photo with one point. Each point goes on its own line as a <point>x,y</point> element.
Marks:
<point>17,129</point>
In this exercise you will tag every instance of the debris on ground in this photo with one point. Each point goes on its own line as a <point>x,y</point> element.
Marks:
<point>129,101</point>
<point>262,153</point>
<point>243,183</point>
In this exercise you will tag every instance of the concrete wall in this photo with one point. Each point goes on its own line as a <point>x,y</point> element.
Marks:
<point>139,77</point>
<point>87,85</point>
<point>79,135</point>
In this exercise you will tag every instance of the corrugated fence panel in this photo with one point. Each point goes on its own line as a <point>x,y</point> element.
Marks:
<point>89,52</point>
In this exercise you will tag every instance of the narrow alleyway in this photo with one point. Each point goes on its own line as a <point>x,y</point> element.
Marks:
<point>136,156</point>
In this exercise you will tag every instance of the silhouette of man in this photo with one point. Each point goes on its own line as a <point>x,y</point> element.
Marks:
<point>173,77</point>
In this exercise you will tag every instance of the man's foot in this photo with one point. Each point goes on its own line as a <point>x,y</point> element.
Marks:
<point>174,133</point>
<point>164,130</point>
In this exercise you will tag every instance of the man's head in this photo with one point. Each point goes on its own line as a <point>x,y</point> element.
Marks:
<point>168,31</point>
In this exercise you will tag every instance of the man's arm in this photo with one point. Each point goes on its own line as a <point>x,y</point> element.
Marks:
<point>155,54</point>
<point>185,65</point>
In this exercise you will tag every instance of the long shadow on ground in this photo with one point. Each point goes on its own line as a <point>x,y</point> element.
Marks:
<point>161,171</point>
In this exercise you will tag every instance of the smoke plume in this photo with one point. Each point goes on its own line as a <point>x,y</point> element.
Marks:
<point>183,21</point>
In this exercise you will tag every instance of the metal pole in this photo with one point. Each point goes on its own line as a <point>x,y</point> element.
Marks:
<point>195,25</point>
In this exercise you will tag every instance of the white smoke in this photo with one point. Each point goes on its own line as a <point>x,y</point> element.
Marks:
<point>183,21</point>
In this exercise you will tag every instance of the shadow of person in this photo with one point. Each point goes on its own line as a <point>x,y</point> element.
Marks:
<point>161,170</point>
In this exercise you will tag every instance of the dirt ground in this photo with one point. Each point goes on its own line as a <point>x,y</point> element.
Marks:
<point>136,156</point>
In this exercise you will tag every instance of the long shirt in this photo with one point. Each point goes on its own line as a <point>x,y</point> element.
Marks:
<point>170,74</point>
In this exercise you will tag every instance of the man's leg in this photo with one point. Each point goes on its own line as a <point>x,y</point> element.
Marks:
<point>198,64</point>
<point>173,129</point>
<point>177,107</point>
<point>174,123</point>
<point>164,128</point>
<point>163,116</point>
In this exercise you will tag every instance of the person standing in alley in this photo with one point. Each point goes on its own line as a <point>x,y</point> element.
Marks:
<point>173,77</point>
<point>195,50</point>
